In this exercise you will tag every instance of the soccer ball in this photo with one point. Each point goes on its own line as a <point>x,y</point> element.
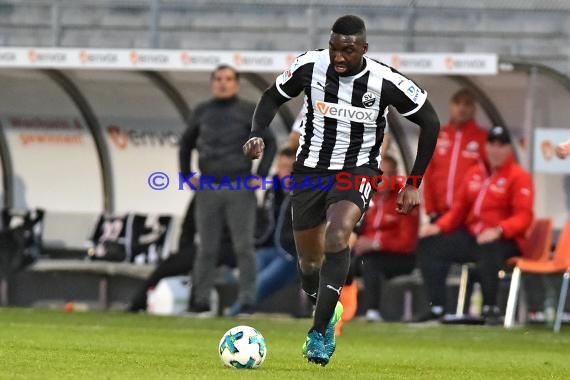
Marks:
<point>242,347</point>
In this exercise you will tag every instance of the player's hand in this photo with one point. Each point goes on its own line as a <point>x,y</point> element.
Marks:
<point>429,230</point>
<point>488,235</point>
<point>563,150</point>
<point>253,147</point>
<point>408,199</point>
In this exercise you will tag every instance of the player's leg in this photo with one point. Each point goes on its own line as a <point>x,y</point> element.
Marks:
<point>342,216</point>
<point>345,207</point>
<point>308,209</point>
<point>310,244</point>
<point>349,293</point>
<point>308,206</point>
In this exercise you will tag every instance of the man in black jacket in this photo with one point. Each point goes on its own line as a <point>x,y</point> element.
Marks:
<point>216,127</point>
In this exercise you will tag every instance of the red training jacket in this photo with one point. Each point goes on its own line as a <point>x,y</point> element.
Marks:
<point>504,198</point>
<point>396,233</point>
<point>458,148</point>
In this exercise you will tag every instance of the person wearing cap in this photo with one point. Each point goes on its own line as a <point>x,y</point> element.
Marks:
<point>460,144</point>
<point>486,224</point>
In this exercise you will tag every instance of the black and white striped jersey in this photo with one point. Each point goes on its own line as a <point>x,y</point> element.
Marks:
<point>345,118</point>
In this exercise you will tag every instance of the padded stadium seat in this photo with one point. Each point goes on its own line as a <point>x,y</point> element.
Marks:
<point>108,238</point>
<point>132,237</point>
<point>560,263</point>
<point>151,237</point>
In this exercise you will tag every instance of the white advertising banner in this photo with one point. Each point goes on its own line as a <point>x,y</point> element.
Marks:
<point>453,64</point>
<point>139,148</point>
<point>55,162</point>
<point>206,60</point>
<point>545,141</point>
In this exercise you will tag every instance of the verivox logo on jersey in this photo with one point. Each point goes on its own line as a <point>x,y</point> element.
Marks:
<point>346,112</point>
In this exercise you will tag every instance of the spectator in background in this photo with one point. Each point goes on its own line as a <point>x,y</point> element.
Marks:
<point>276,255</point>
<point>486,225</point>
<point>460,144</point>
<point>216,127</point>
<point>387,240</point>
<point>563,150</point>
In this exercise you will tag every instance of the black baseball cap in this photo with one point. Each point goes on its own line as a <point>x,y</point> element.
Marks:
<point>500,134</point>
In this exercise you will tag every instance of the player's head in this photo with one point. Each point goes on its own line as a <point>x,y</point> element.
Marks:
<point>225,82</point>
<point>284,164</point>
<point>462,106</point>
<point>347,45</point>
<point>499,146</point>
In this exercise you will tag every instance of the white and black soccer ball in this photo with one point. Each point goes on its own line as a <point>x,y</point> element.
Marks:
<point>242,347</point>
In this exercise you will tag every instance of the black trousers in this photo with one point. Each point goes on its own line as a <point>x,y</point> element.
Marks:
<point>378,267</point>
<point>437,253</point>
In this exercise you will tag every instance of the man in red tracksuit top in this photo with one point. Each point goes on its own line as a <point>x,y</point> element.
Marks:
<point>460,144</point>
<point>386,242</point>
<point>486,225</point>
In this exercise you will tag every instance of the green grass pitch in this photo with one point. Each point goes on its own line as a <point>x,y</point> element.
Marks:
<point>39,344</point>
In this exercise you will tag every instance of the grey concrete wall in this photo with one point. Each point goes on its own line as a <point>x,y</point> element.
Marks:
<point>512,29</point>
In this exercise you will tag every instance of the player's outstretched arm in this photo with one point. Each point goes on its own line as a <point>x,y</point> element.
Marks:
<point>264,113</point>
<point>427,120</point>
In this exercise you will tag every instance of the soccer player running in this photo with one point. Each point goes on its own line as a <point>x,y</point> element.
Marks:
<point>347,98</point>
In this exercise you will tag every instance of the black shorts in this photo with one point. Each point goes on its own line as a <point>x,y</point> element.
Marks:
<point>315,189</point>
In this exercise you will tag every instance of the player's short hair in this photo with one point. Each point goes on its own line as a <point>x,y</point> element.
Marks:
<point>224,67</point>
<point>287,152</point>
<point>349,25</point>
<point>463,94</point>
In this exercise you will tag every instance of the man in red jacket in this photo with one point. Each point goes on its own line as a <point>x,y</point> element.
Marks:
<point>387,240</point>
<point>486,225</point>
<point>460,145</point>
